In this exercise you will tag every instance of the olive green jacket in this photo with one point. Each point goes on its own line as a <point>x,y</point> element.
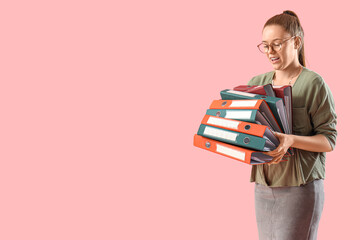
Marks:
<point>313,113</point>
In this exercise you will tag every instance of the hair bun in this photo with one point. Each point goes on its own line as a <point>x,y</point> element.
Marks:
<point>291,13</point>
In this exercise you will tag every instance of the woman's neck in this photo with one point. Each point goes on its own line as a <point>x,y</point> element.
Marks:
<point>282,77</point>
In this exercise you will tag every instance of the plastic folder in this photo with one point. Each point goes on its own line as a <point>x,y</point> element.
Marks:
<point>257,89</point>
<point>237,138</point>
<point>276,105</point>
<point>242,127</point>
<point>247,115</point>
<point>238,153</point>
<point>284,92</point>
<point>239,126</point>
<point>260,105</point>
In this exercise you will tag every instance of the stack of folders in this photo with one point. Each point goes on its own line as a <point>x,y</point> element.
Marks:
<point>241,125</point>
<point>284,92</point>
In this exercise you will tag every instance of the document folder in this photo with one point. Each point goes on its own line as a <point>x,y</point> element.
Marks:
<point>239,126</point>
<point>238,153</point>
<point>276,105</point>
<point>247,115</point>
<point>257,89</point>
<point>284,92</point>
<point>260,105</point>
<point>237,138</point>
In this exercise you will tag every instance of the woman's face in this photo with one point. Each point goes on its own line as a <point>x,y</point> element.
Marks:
<point>275,34</point>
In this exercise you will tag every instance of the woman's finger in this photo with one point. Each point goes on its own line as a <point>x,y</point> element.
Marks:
<point>279,158</point>
<point>272,161</point>
<point>276,159</point>
<point>272,153</point>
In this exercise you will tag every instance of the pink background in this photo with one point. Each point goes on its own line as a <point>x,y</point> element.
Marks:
<point>100,101</point>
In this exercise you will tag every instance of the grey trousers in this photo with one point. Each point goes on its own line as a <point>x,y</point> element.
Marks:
<point>289,213</point>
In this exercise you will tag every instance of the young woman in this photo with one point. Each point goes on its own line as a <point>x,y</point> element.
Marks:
<point>289,195</point>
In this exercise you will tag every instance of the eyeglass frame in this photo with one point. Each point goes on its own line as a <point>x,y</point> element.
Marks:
<point>271,45</point>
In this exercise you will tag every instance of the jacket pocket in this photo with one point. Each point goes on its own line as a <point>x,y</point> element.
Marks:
<point>301,122</point>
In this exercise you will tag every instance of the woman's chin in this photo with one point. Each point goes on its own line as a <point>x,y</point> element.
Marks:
<point>276,67</point>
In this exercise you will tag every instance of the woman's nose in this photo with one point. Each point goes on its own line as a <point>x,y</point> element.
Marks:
<point>271,50</point>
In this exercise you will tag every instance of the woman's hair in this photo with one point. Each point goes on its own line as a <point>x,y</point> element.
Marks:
<point>291,23</point>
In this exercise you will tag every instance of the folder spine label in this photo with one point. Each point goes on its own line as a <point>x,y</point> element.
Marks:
<point>223,122</point>
<point>215,132</point>
<point>230,152</point>
<point>242,93</point>
<point>233,114</point>
<point>240,103</point>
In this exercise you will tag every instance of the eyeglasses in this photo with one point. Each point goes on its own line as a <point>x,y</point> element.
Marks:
<point>264,48</point>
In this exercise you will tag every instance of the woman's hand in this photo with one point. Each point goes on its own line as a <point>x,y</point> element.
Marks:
<point>286,141</point>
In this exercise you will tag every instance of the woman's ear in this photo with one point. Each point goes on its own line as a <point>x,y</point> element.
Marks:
<point>298,42</point>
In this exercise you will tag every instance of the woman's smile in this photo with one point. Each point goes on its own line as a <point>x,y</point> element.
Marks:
<point>274,59</point>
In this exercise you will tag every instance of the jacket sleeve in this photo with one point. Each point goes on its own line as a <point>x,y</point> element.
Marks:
<point>251,82</point>
<point>322,113</point>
